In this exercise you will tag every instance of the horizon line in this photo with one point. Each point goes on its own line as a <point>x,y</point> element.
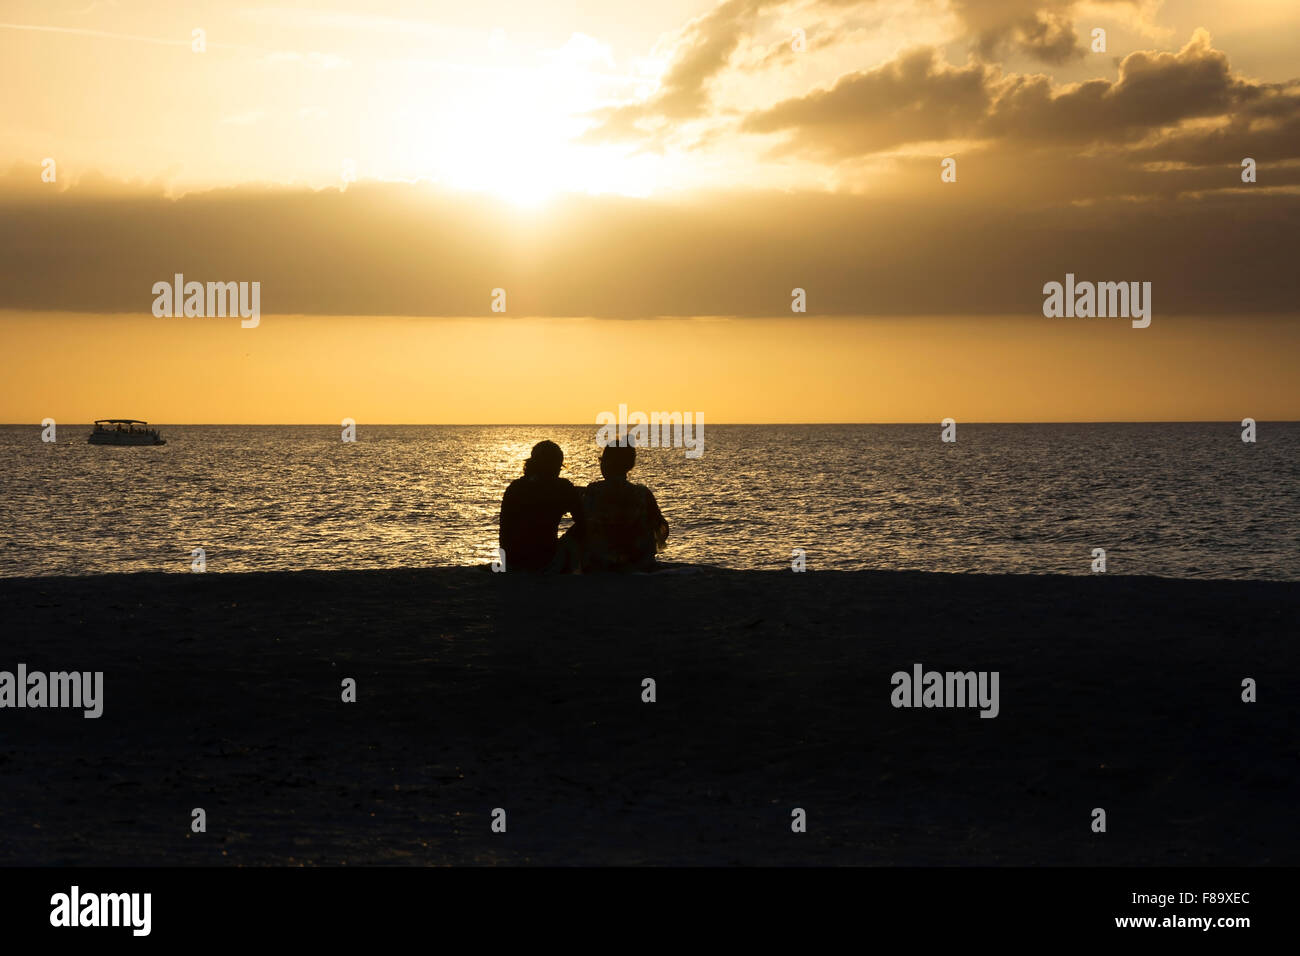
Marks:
<point>1126,421</point>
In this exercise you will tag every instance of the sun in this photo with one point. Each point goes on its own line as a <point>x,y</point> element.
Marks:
<point>516,135</point>
<point>526,160</point>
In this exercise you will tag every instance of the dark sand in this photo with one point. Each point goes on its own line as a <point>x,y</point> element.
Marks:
<point>479,691</point>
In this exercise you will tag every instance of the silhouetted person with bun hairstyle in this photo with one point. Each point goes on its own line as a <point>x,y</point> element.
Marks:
<point>624,526</point>
<point>531,510</point>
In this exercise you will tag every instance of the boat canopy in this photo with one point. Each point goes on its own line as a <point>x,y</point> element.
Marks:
<point>119,421</point>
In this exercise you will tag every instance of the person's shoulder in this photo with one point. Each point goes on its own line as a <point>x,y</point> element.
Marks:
<point>555,488</point>
<point>522,488</point>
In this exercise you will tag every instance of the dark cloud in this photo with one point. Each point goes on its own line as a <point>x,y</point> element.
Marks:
<point>1063,179</point>
<point>410,250</point>
<point>1042,29</point>
<point>781,52</point>
<point>1230,144</point>
<point>1049,37</point>
<point>913,98</point>
<point>704,50</point>
<point>918,98</point>
<point>1153,90</point>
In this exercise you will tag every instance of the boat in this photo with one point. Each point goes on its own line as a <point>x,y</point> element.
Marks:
<point>124,431</point>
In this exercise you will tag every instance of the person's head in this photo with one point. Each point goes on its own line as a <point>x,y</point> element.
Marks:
<point>545,461</point>
<point>617,460</point>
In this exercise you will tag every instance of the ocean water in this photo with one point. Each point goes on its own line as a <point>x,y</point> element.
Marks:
<point>1175,500</point>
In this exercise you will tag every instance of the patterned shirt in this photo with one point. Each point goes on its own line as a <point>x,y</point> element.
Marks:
<point>624,527</point>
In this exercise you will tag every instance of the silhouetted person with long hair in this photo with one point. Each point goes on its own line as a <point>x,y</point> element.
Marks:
<point>624,526</point>
<point>531,510</point>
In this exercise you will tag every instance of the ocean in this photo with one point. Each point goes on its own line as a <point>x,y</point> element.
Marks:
<point>1184,500</point>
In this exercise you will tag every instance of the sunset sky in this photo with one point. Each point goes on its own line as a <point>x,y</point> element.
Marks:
<point>648,183</point>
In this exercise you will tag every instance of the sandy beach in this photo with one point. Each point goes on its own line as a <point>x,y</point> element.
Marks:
<point>477,691</point>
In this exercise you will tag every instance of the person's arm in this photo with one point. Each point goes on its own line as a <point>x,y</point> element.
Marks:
<point>578,512</point>
<point>659,522</point>
<point>506,520</point>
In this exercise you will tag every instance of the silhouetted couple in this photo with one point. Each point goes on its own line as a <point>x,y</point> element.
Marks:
<point>617,526</point>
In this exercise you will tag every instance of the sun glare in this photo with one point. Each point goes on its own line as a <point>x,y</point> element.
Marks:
<point>525,159</point>
<point>514,132</point>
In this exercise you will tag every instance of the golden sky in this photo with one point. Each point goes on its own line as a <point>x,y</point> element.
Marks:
<point>621,169</point>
